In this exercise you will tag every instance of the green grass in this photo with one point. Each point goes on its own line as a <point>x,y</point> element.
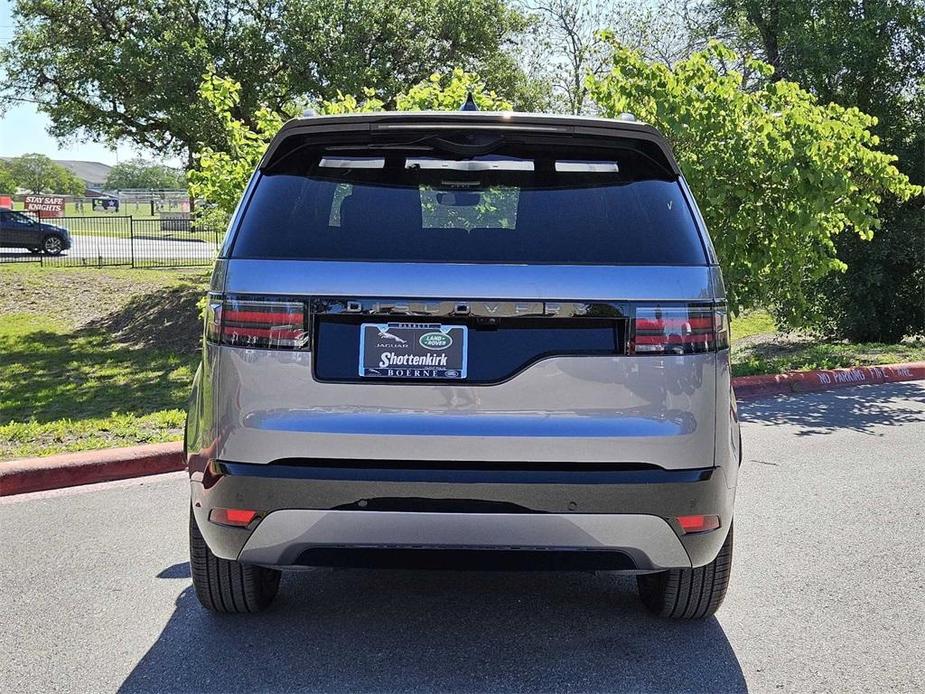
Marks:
<point>807,356</point>
<point>759,348</point>
<point>752,323</point>
<point>110,367</point>
<point>67,390</point>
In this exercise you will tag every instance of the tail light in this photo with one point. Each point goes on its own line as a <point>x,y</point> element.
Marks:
<point>679,330</point>
<point>257,323</point>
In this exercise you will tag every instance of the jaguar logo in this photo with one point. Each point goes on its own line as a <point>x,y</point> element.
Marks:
<point>435,341</point>
<point>384,334</point>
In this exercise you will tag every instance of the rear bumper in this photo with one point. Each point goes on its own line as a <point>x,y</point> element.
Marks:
<point>586,509</point>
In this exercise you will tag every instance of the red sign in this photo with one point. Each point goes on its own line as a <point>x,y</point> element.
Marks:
<point>45,205</point>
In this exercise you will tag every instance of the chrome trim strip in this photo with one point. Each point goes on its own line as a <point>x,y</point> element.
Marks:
<point>326,306</point>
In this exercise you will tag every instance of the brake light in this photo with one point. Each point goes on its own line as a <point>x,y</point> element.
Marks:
<point>257,324</point>
<point>679,330</point>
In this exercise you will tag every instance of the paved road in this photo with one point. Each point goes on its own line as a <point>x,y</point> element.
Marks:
<point>107,247</point>
<point>115,248</point>
<point>826,595</point>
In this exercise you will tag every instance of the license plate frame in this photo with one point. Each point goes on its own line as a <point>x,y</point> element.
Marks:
<point>409,351</point>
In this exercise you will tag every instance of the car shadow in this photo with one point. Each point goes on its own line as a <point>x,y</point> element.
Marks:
<point>855,408</point>
<point>364,630</point>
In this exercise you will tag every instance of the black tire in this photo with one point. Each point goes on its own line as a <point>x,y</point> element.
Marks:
<point>228,586</point>
<point>53,244</point>
<point>688,593</point>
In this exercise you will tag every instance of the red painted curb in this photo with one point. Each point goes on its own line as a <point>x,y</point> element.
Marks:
<point>807,381</point>
<point>71,469</point>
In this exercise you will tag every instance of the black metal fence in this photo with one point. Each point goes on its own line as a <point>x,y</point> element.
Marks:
<point>169,241</point>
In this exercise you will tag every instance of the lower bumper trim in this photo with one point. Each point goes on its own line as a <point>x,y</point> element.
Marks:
<point>465,559</point>
<point>285,535</point>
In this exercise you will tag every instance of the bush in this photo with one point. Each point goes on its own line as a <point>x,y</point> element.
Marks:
<point>779,176</point>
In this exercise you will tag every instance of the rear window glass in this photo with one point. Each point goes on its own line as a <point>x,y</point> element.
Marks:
<point>546,207</point>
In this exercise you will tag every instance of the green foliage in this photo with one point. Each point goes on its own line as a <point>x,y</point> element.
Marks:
<point>139,173</point>
<point>129,69</point>
<point>8,182</point>
<point>870,55</point>
<point>778,175</point>
<point>39,174</point>
<point>853,52</point>
<point>222,175</point>
<point>447,92</point>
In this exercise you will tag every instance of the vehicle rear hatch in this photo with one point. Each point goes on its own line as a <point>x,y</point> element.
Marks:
<point>418,289</point>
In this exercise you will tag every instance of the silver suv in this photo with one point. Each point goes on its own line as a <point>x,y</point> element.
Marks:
<point>465,340</point>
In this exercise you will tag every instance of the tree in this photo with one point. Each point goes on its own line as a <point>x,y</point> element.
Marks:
<point>870,55</point>
<point>778,175</point>
<point>222,175</point>
<point>39,174</point>
<point>566,45</point>
<point>68,183</point>
<point>131,69</point>
<point>139,173</point>
<point>8,183</point>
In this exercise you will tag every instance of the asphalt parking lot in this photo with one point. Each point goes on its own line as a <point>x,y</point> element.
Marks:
<point>826,595</point>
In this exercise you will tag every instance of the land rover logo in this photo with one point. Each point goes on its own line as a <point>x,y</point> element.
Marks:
<point>435,341</point>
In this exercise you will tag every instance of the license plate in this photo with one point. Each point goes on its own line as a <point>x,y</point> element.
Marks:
<point>413,351</point>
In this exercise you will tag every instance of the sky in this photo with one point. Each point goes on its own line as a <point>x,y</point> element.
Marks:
<point>24,130</point>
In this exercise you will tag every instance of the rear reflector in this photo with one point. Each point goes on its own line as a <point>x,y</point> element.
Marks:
<point>678,330</point>
<point>237,517</point>
<point>698,524</point>
<point>257,324</point>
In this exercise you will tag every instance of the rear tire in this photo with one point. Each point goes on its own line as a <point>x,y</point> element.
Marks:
<point>688,593</point>
<point>228,586</point>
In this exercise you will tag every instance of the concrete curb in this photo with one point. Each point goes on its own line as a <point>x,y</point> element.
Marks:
<point>748,387</point>
<point>72,469</point>
<point>87,467</point>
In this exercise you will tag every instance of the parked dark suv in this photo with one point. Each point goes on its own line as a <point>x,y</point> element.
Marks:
<point>18,230</point>
<point>465,339</point>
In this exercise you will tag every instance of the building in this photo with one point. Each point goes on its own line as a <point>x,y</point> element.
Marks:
<point>92,173</point>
